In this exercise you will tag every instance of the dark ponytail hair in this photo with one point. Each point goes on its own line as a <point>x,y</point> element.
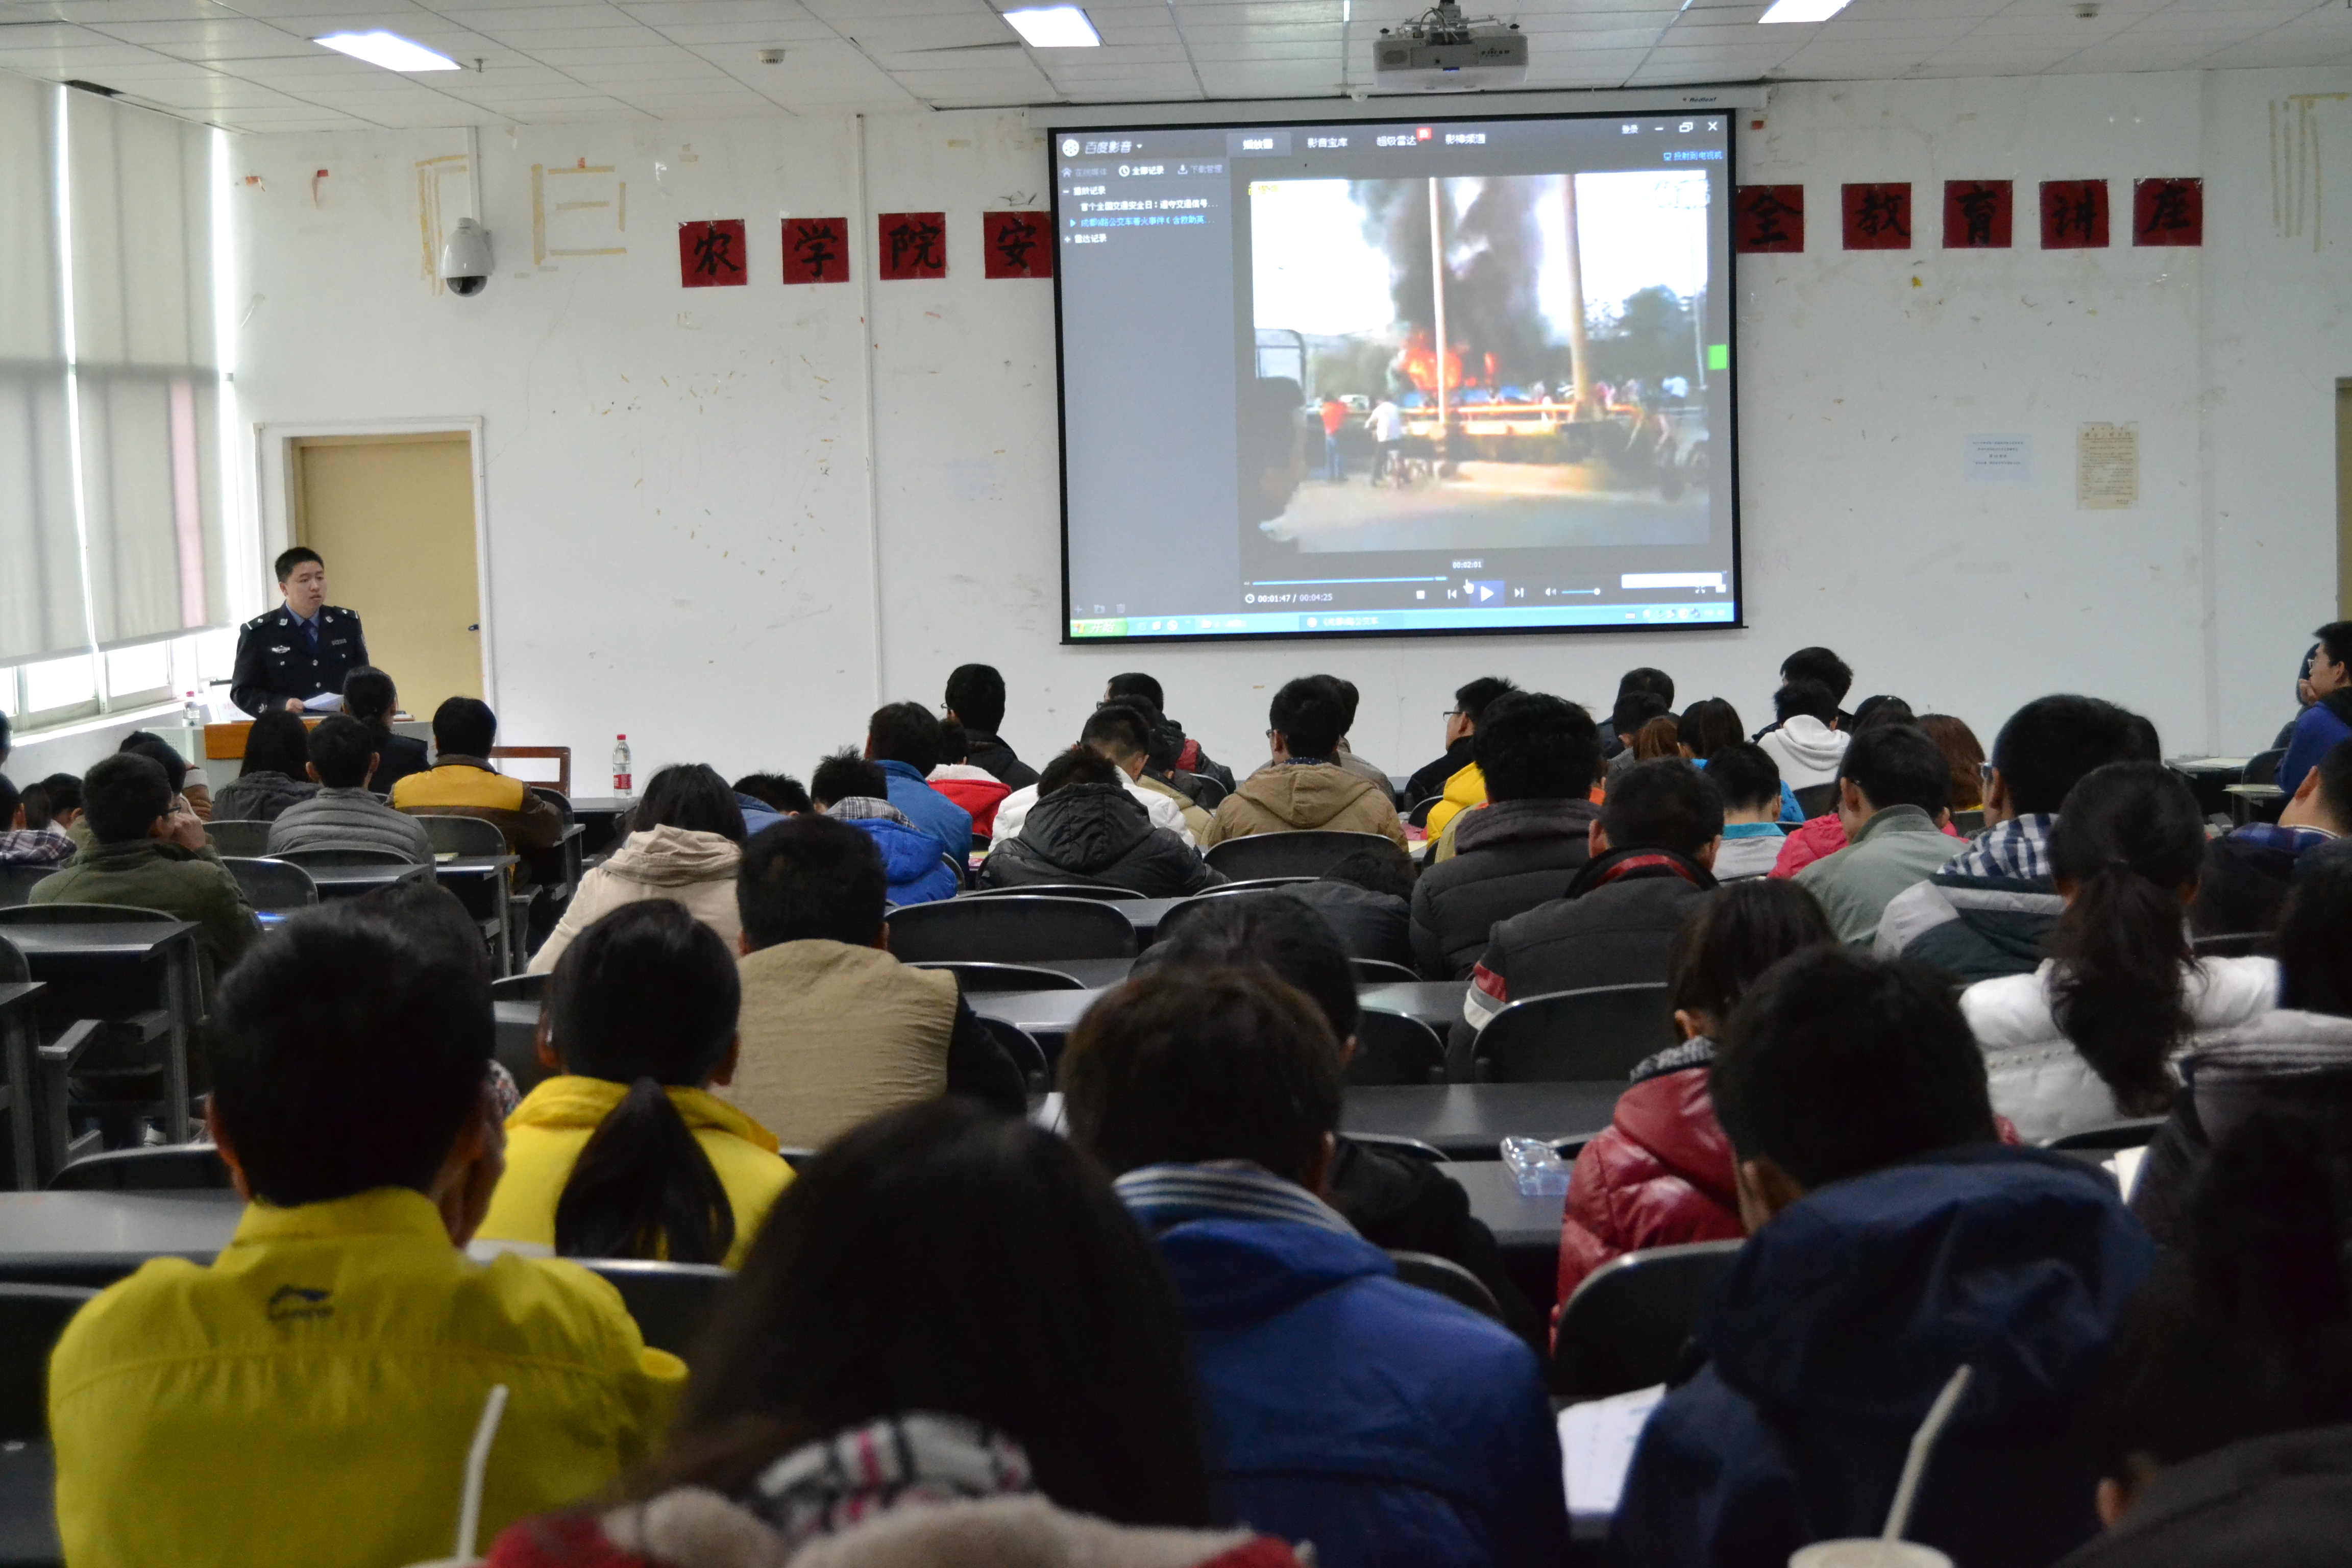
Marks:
<point>647,996</point>
<point>2130,839</point>
<point>2314,938</point>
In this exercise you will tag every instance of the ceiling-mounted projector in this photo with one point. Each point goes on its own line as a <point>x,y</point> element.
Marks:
<point>1440,51</point>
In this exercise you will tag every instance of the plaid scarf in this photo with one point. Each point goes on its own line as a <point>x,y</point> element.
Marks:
<point>919,1459</point>
<point>2017,850</point>
<point>867,808</point>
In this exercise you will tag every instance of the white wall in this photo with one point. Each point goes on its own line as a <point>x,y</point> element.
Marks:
<point>681,542</point>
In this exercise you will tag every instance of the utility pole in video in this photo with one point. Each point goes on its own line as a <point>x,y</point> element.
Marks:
<point>1437,295</point>
<point>1579,370</point>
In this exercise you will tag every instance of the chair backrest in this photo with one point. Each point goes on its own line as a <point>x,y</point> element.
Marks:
<point>272,884</point>
<point>463,835</point>
<point>344,855</point>
<point>1398,1144</point>
<point>672,1303</point>
<point>1627,1324</point>
<point>1380,972</point>
<point>14,969</point>
<point>171,1168</point>
<point>1391,1049</point>
<point>554,798</point>
<point>2134,1133</point>
<point>978,977</point>
<point>80,914</point>
<point>520,988</point>
<point>1011,930</point>
<point>246,838</point>
<point>1448,1278</point>
<point>1816,800</point>
<point>1310,853</point>
<point>1098,891</point>
<point>2262,767</point>
<point>559,756</point>
<point>32,1317</point>
<point>1419,815</point>
<point>1592,1036</point>
<point>1182,910</point>
<point>1206,792</point>
<point>1028,1056</point>
<point>2236,944</point>
<point>17,883</point>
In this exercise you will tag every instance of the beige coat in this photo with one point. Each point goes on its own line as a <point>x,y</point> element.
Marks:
<point>1196,821</point>
<point>833,1034</point>
<point>1293,796</point>
<point>697,870</point>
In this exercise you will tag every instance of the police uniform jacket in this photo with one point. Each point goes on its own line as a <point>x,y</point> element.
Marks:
<point>275,662</point>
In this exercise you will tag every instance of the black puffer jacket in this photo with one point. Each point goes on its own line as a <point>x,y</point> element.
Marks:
<point>1098,833</point>
<point>1507,858</point>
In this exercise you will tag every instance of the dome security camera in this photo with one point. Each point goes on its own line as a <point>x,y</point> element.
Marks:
<point>466,257</point>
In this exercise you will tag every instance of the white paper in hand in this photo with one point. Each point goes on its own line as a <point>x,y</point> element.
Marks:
<point>325,702</point>
<point>1597,1439</point>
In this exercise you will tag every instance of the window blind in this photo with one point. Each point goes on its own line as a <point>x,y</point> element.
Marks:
<point>41,610</point>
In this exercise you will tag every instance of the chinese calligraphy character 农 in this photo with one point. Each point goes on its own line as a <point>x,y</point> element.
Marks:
<point>710,254</point>
<point>713,250</point>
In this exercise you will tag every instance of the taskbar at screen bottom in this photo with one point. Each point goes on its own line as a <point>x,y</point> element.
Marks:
<point>1261,623</point>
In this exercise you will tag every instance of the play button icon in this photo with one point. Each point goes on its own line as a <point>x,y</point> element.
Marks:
<point>1482,593</point>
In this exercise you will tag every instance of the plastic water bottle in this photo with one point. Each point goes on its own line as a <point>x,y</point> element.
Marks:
<point>622,785</point>
<point>195,712</point>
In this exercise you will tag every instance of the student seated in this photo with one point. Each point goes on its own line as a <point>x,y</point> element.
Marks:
<point>1369,772</point>
<point>2247,873</point>
<point>1470,703</point>
<point>341,759</point>
<point>1964,758</point>
<point>1465,788</point>
<point>834,1029</point>
<point>2224,1429</point>
<point>1303,789</point>
<point>188,779</point>
<point>148,855</point>
<point>1633,713</point>
<point>1185,753</point>
<point>1383,1423</point>
<point>463,783</point>
<point>1893,790</point>
<point>848,788</point>
<point>975,700</point>
<point>1119,734</point>
<point>1808,742</point>
<point>1366,897</point>
<point>685,842</point>
<point>903,739</point>
<point>23,846</point>
<point>275,773</point>
<point>370,697</point>
<point>1651,847</point>
<point>1047,1416</point>
<point>1086,827</point>
<point>974,789</point>
<point>1892,1241</point>
<point>1712,725</point>
<point>1540,755</point>
<point>1816,664</point>
<point>1652,682</point>
<point>2327,723</point>
<point>1987,912</point>
<point>625,1153</point>
<point>1754,802</point>
<point>52,805</point>
<point>766,799</point>
<point>2091,1035</point>
<point>310,1396</point>
<point>1661,1173</point>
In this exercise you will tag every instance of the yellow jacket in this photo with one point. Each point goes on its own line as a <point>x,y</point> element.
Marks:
<point>309,1398</point>
<point>1464,790</point>
<point>554,1124</point>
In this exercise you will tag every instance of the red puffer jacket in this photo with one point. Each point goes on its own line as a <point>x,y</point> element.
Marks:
<point>1660,1174</point>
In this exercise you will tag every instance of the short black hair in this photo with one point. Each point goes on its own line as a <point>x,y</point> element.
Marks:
<point>1116,731</point>
<point>648,991</point>
<point>123,796</point>
<point>1807,699</point>
<point>1834,1065</point>
<point>2335,771</point>
<point>2336,637</point>
<point>975,695</point>
<point>2314,938</point>
<point>1383,867</point>
<point>1077,766</point>
<point>1708,725</point>
<point>1634,710</point>
<point>1158,748</point>
<point>1745,775</point>
<point>955,743</point>
<point>2049,746</point>
<point>341,748</point>
<point>904,732</point>
<point>10,799</point>
<point>690,796</point>
<point>287,560</point>
<point>1472,698</point>
<point>1663,804</point>
<point>1348,699</point>
<point>1897,765</point>
<point>464,727</point>
<point>278,743</point>
<point>811,878</point>
<point>1272,929</point>
<point>1733,937</point>
<point>1642,678</point>
<point>1306,714</point>
<point>1819,664</point>
<point>370,696</point>
<point>62,791</point>
<point>147,744</point>
<point>782,791</point>
<point>1204,1064</point>
<point>347,1054</point>
<point>1135,683</point>
<point>846,773</point>
<point>429,912</point>
<point>1531,745</point>
<point>1881,709</point>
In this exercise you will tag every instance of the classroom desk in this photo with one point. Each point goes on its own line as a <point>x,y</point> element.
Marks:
<point>1522,1225</point>
<point>96,1238</point>
<point>1146,914</point>
<point>2210,778</point>
<point>28,1520</point>
<point>1469,1121</point>
<point>19,1043</point>
<point>489,873</point>
<point>350,881</point>
<point>2254,803</point>
<point>1436,1003</point>
<point>599,816</point>
<point>64,953</point>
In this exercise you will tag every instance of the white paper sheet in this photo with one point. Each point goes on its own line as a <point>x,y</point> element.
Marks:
<point>1597,1439</point>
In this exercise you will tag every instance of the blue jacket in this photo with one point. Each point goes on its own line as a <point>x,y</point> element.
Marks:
<point>910,861</point>
<point>757,813</point>
<point>2317,732</point>
<point>1383,1423</point>
<point>1834,1331</point>
<point>930,810</point>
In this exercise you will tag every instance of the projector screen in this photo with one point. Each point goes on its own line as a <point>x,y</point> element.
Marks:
<point>1380,378</point>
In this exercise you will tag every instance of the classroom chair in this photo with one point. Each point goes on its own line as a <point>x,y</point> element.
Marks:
<point>1594,1035</point>
<point>1305,854</point>
<point>1011,930</point>
<point>1626,1325</point>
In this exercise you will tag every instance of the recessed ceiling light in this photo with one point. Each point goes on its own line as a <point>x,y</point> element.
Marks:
<point>1802,10</point>
<point>1054,27</point>
<point>390,50</point>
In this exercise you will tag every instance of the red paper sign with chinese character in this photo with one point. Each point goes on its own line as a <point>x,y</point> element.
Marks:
<point>2074,215</point>
<point>710,254</point>
<point>816,250</point>
<point>1979,214</point>
<point>2168,212</point>
<point>1017,243</point>
<point>911,244</point>
<point>1768,218</point>
<point>1877,216</point>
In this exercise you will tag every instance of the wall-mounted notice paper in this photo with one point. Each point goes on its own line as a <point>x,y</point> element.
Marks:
<point>1997,459</point>
<point>2106,467</point>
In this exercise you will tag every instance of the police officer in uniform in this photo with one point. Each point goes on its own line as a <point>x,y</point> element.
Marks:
<point>299,650</point>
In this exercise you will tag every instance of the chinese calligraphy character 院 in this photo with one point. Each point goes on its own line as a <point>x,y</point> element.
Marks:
<point>913,245</point>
